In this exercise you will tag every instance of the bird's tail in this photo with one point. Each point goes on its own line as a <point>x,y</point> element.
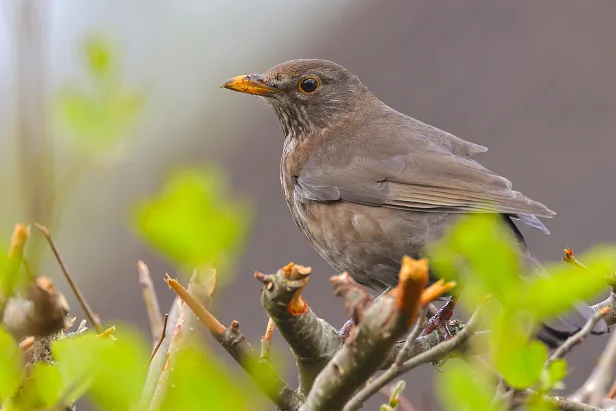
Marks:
<point>557,330</point>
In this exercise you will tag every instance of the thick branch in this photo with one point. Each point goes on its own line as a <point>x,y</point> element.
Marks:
<point>437,352</point>
<point>368,347</point>
<point>312,340</point>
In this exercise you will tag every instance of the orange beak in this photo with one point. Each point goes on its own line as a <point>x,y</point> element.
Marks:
<point>250,84</point>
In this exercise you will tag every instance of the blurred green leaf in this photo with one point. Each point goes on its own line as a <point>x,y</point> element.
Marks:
<point>556,293</point>
<point>521,366</point>
<point>195,372</point>
<point>462,389</point>
<point>552,377</point>
<point>111,371</point>
<point>540,403</point>
<point>98,56</point>
<point>479,253</point>
<point>43,389</point>
<point>98,123</point>
<point>190,221</point>
<point>515,356</point>
<point>99,119</point>
<point>11,365</point>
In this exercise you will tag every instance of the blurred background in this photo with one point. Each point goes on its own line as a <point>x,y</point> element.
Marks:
<point>533,81</point>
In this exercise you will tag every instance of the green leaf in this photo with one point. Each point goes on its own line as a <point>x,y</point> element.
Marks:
<point>479,252</point>
<point>521,366</point>
<point>190,221</point>
<point>111,371</point>
<point>98,57</point>
<point>43,389</point>
<point>98,122</point>
<point>11,366</point>
<point>540,403</point>
<point>556,293</point>
<point>462,389</point>
<point>514,355</point>
<point>555,373</point>
<point>195,372</point>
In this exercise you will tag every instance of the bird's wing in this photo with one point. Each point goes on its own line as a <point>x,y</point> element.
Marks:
<point>427,180</point>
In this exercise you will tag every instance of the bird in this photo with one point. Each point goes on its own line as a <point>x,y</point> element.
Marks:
<point>368,185</point>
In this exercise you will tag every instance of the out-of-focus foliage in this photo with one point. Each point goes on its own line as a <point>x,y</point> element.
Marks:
<point>11,367</point>
<point>191,222</point>
<point>199,382</point>
<point>110,370</point>
<point>482,254</point>
<point>98,119</point>
<point>463,388</point>
<point>42,389</point>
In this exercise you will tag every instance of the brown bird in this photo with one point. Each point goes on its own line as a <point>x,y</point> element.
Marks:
<point>367,184</point>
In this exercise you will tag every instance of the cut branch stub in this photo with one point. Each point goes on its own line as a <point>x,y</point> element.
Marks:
<point>312,340</point>
<point>413,282</point>
<point>356,299</point>
<point>383,323</point>
<point>42,312</point>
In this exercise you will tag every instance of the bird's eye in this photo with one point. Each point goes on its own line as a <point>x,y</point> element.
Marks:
<point>308,85</point>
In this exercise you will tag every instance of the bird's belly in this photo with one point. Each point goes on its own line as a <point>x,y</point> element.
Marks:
<point>367,242</point>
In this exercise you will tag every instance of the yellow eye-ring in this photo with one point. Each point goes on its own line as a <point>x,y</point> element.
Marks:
<point>309,85</point>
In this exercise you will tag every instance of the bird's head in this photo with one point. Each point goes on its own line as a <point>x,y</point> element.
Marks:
<point>306,95</point>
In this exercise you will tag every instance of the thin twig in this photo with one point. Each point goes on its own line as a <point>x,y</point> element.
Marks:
<point>82,301</point>
<point>200,311</point>
<point>266,341</point>
<point>570,258</point>
<point>160,341</point>
<point>578,337</point>
<point>431,355</point>
<point>406,348</point>
<point>150,299</point>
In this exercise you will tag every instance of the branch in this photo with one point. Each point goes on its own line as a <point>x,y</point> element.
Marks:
<point>368,347</point>
<point>437,352</point>
<point>610,302</point>
<point>157,364</point>
<point>163,334</point>
<point>312,340</point>
<point>14,260</point>
<point>594,389</point>
<point>151,301</point>
<point>82,301</point>
<point>234,342</point>
<point>266,341</point>
<point>186,331</point>
<point>262,372</point>
<point>578,337</point>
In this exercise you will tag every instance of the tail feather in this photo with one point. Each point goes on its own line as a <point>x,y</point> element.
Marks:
<point>556,331</point>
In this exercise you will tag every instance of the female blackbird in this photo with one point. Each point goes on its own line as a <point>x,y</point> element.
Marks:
<point>367,184</point>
